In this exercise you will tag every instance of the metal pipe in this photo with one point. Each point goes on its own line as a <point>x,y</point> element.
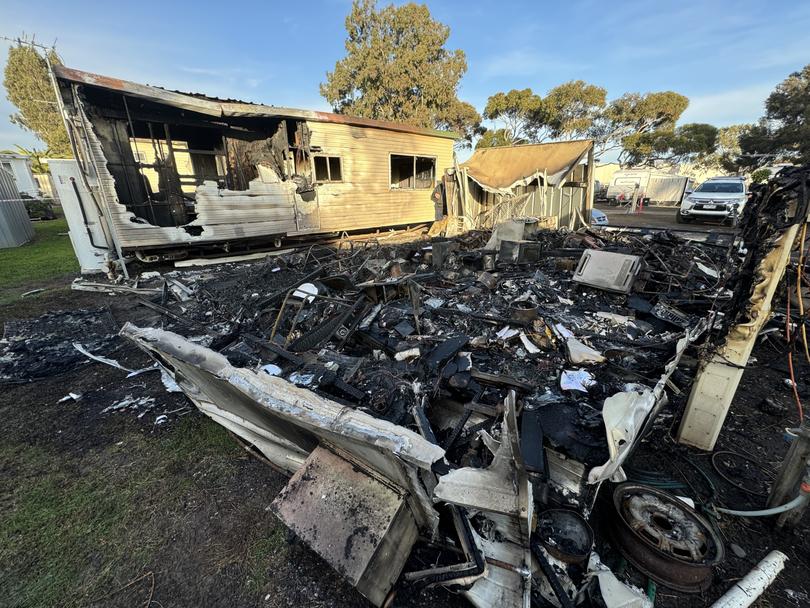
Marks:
<point>747,591</point>
<point>799,501</point>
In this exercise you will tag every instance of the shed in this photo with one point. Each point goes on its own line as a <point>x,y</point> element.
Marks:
<point>19,166</point>
<point>552,181</point>
<point>15,225</point>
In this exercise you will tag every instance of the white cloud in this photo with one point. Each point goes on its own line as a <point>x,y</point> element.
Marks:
<point>745,104</point>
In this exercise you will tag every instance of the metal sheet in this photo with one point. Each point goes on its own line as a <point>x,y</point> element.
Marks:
<point>290,419</point>
<point>357,522</point>
<point>15,226</point>
<point>607,270</point>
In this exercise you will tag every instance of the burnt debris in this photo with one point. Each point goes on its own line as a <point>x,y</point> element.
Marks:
<point>449,409</point>
<point>532,386</point>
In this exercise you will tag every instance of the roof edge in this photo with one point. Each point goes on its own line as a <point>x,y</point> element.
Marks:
<point>537,145</point>
<point>216,107</point>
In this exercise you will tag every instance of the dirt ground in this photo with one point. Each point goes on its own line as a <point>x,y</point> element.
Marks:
<point>113,509</point>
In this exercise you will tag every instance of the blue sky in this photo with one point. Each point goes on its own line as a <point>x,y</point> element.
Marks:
<point>725,56</point>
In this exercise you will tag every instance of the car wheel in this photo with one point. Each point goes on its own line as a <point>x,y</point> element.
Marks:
<point>682,219</point>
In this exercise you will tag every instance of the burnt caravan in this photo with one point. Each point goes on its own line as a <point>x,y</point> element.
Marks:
<point>172,174</point>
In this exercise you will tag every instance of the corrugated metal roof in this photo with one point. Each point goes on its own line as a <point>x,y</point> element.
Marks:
<point>503,168</point>
<point>213,106</point>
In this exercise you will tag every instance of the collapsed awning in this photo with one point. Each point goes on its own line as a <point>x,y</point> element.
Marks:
<point>502,168</point>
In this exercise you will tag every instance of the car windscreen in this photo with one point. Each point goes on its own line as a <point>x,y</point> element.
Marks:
<point>726,187</point>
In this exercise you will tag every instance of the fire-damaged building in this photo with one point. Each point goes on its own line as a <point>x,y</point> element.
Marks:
<point>171,173</point>
<point>164,175</point>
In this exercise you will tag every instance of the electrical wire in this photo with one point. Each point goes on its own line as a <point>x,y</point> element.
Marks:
<point>730,480</point>
<point>800,298</point>
<point>790,356</point>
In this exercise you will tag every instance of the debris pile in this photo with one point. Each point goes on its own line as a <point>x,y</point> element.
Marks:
<point>449,408</point>
<point>37,348</point>
<point>469,412</point>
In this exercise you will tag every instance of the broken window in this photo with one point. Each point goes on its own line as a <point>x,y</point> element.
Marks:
<point>328,169</point>
<point>412,172</point>
<point>425,169</point>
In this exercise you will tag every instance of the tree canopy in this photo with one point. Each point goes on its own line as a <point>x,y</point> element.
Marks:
<point>521,113</point>
<point>642,126</point>
<point>784,132</point>
<point>727,151</point>
<point>688,143</point>
<point>397,68</point>
<point>492,138</point>
<point>570,108</point>
<point>28,87</point>
<point>634,114</point>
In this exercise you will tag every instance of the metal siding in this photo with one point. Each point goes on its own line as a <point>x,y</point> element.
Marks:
<point>532,200</point>
<point>15,225</point>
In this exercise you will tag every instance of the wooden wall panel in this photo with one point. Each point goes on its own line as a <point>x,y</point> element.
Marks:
<point>364,199</point>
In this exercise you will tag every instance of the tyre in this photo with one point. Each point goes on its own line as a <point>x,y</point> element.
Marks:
<point>682,219</point>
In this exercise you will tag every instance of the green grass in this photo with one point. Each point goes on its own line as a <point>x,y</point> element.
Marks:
<point>56,526</point>
<point>70,526</point>
<point>261,552</point>
<point>48,255</point>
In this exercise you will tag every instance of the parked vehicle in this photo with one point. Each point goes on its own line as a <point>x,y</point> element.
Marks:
<point>598,218</point>
<point>718,198</point>
<point>599,191</point>
<point>654,187</point>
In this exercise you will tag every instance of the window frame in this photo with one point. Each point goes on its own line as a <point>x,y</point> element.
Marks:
<point>328,169</point>
<point>435,160</point>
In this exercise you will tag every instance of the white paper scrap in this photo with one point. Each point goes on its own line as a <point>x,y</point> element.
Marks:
<point>576,380</point>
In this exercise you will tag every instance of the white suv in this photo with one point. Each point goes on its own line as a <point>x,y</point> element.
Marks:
<point>718,198</point>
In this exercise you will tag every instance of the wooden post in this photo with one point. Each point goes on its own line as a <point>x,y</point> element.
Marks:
<point>716,381</point>
<point>589,192</point>
<point>465,192</point>
<point>786,486</point>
